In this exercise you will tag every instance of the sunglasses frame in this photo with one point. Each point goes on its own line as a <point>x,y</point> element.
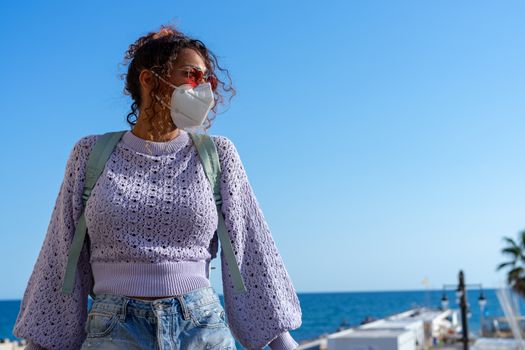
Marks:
<point>197,76</point>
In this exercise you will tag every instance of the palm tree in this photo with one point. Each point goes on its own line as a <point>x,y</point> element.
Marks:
<point>516,253</point>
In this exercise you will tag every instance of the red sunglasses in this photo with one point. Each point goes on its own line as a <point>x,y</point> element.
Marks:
<point>196,76</point>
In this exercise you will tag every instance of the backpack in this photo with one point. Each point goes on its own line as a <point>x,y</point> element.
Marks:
<point>98,157</point>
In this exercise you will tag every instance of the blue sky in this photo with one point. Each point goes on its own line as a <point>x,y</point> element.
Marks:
<point>383,139</point>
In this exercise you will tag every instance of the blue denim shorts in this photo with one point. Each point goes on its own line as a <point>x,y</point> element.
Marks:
<point>195,320</point>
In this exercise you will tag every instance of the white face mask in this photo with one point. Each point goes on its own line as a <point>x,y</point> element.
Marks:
<point>189,106</point>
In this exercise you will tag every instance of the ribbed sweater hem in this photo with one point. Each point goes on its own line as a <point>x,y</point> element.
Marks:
<point>283,342</point>
<point>150,279</point>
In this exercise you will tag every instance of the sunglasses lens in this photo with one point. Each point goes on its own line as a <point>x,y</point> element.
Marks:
<point>195,77</point>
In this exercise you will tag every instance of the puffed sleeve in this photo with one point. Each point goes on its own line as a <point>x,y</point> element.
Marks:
<point>49,319</point>
<point>270,308</point>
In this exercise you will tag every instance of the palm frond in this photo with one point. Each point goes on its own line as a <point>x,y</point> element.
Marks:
<point>519,286</point>
<point>514,251</point>
<point>516,273</point>
<point>502,265</point>
<point>522,238</point>
<point>510,241</point>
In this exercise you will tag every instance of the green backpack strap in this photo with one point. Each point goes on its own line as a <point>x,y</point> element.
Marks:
<point>210,161</point>
<point>95,165</point>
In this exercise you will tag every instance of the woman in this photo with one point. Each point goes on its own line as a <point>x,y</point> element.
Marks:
<point>151,219</point>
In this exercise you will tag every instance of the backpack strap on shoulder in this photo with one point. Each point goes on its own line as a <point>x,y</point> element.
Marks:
<point>95,165</point>
<point>210,161</point>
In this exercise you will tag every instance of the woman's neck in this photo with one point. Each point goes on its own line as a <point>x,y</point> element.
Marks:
<point>147,132</point>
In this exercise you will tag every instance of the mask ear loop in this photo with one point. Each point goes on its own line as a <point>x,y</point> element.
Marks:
<point>167,82</point>
<point>162,102</point>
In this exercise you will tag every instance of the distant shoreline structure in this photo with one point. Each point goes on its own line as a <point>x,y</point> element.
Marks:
<point>8,344</point>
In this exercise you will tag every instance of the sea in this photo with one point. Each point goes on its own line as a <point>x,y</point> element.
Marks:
<point>324,312</point>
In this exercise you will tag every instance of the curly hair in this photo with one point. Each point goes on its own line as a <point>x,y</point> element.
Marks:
<point>157,51</point>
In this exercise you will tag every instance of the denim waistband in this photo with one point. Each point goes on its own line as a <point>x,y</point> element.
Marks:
<point>121,304</point>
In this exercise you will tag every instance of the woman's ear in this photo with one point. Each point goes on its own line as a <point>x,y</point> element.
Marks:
<point>146,79</point>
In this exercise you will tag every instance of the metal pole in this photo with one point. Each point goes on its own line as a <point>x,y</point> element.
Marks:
<point>463,305</point>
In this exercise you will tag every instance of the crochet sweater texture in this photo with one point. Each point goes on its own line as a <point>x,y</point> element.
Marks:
<point>151,219</point>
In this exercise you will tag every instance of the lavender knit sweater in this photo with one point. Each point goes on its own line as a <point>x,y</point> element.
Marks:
<point>151,218</point>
